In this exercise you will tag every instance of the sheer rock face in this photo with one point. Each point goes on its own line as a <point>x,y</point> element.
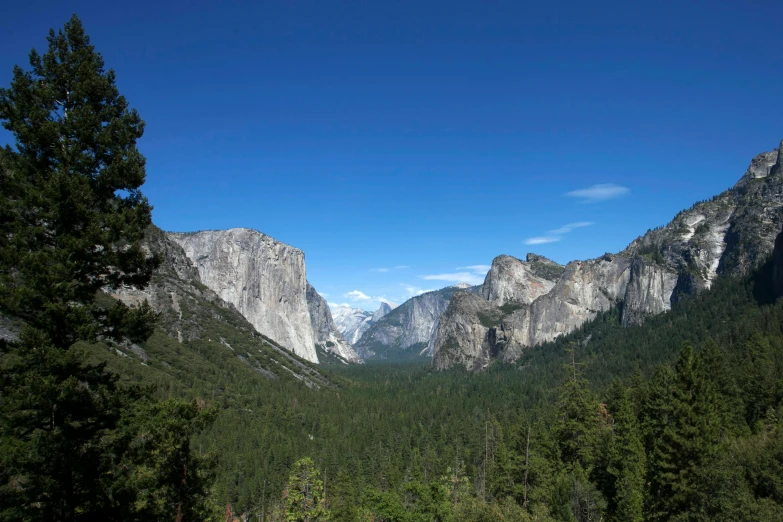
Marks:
<point>382,310</point>
<point>649,292</point>
<point>325,330</point>
<point>521,305</point>
<point>263,278</point>
<point>778,265</point>
<point>511,280</point>
<point>175,281</point>
<point>405,331</point>
<point>186,307</point>
<point>351,322</point>
<point>729,234</point>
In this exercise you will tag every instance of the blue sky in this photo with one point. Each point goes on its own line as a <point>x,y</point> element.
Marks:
<point>403,145</point>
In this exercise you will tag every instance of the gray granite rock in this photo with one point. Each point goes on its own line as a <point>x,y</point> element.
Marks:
<point>262,277</point>
<point>324,329</point>
<point>525,303</point>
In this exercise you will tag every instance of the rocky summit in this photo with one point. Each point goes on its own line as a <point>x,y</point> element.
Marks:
<point>262,277</point>
<point>525,303</point>
<point>352,322</point>
<point>406,331</point>
<point>194,317</point>
<point>327,337</point>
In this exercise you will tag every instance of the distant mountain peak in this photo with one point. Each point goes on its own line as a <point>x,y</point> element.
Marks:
<point>382,310</point>
<point>461,285</point>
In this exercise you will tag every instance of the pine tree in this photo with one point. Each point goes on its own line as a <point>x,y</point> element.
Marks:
<point>304,494</point>
<point>576,431</point>
<point>722,375</point>
<point>627,460</point>
<point>72,219</point>
<point>687,440</point>
<point>73,215</point>
<point>758,371</point>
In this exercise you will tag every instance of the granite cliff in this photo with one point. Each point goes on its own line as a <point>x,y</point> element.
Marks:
<point>327,337</point>
<point>263,278</point>
<point>406,331</point>
<point>196,320</point>
<point>524,303</point>
<point>353,322</point>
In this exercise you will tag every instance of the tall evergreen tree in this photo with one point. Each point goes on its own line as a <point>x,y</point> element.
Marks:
<point>304,495</point>
<point>576,431</point>
<point>72,218</point>
<point>73,215</point>
<point>688,439</point>
<point>627,460</point>
<point>759,378</point>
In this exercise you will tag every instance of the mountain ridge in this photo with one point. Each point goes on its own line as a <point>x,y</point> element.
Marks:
<point>728,234</point>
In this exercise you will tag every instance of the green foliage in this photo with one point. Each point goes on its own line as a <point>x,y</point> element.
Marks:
<point>699,440</point>
<point>158,474</point>
<point>550,271</point>
<point>74,444</point>
<point>489,320</point>
<point>627,459</point>
<point>510,308</point>
<point>304,494</point>
<point>72,215</point>
<point>687,440</point>
<point>577,427</point>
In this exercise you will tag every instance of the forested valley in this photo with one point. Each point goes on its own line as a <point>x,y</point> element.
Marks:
<point>677,419</point>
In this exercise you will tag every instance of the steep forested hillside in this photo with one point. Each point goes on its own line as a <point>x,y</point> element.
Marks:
<point>379,433</point>
<point>113,409</point>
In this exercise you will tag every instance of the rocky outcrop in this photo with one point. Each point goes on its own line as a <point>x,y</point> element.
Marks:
<point>728,234</point>
<point>382,311</point>
<point>352,322</point>
<point>649,291</point>
<point>475,330</point>
<point>263,278</point>
<point>521,305</point>
<point>406,331</point>
<point>327,337</point>
<point>512,281</point>
<point>196,316</point>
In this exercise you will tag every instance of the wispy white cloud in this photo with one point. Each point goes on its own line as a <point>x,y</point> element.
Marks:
<point>379,270</point>
<point>542,240</point>
<point>565,229</point>
<point>600,192</point>
<point>478,269</point>
<point>338,305</point>
<point>356,295</point>
<point>413,290</point>
<point>401,267</point>
<point>553,236</point>
<point>457,277</point>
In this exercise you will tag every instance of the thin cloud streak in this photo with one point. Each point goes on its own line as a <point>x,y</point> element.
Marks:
<point>543,240</point>
<point>478,269</point>
<point>456,277</point>
<point>600,192</point>
<point>565,229</point>
<point>413,291</point>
